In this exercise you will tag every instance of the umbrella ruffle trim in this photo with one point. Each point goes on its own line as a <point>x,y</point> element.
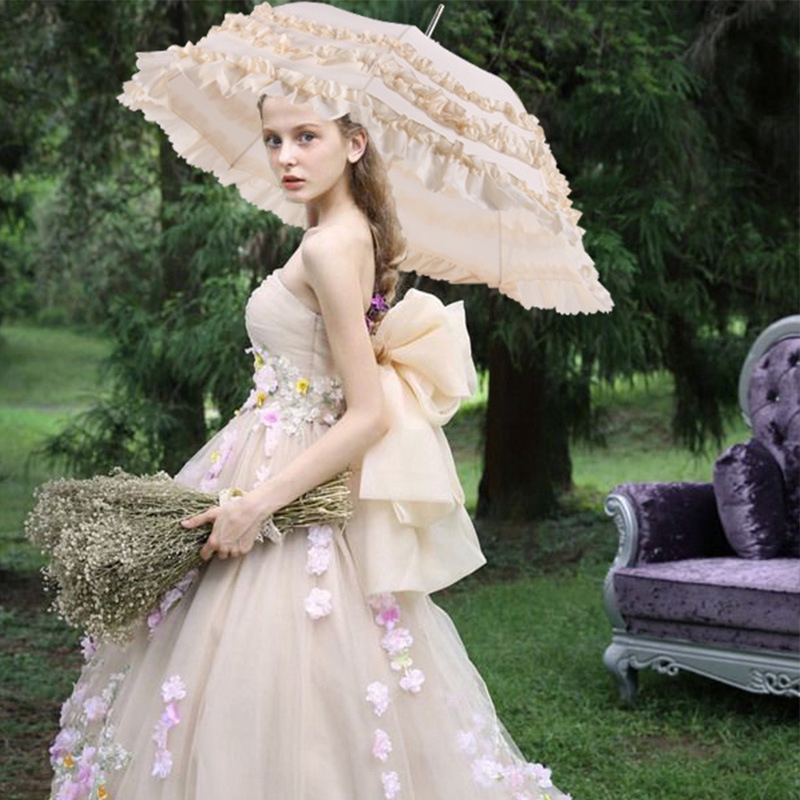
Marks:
<point>498,136</point>
<point>497,189</point>
<point>579,293</point>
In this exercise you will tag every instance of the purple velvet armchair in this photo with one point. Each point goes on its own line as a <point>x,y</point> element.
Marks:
<point>707,575</point>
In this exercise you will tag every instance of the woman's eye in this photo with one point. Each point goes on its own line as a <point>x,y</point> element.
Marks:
<point>272,141</point>
<point>306,137</point>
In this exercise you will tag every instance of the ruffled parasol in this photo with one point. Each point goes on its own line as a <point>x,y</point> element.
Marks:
<point>478,192</point>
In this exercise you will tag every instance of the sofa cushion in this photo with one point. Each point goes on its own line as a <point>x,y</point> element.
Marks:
<point>748,488</point>
<point>732,592</point>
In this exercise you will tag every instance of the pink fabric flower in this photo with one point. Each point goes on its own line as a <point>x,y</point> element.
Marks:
<point>69,790</point>
<point>388,616</point>
<point>391,785</point>
<point>319,560</point>
<point>88,647</point>
<point>379,601</point>
<point>162,763</point>
<point>318,604</point>
<point>63,744</point>
<point>320,535</point>
<point>154,619</point>
<point>378,695</point>
<point>514,776</point>
<point>540,774</point>
<point>173,689</point>
<point>412,681</point>
<point>396,641</point>
<point>170,715</point>
<point>270,415</point>
<point>382,745</point>
<point>95,708</point>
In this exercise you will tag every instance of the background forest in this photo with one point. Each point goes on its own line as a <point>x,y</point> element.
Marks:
<point>676,124</point>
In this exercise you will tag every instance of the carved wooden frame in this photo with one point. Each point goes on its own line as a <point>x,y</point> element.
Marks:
<point>762,672</point>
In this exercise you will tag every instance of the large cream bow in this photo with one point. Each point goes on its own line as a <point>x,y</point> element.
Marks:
<point>411,531</point>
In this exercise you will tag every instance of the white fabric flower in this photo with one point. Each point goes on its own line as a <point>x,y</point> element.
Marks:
<point>318,604</point>
<point>88,647</point>
<point>173,689</point>
<point>378,695</point>
<point>540,774</point>
<point>486,771</point>
<point>397,641</point>
<point>412,681</point>
<point>95,708</point>
<point>320,535</point>
<point>467,742</point>
<point>391,785</point>
<point>162,763</point>
<point>381,745</point>
<point>319,559</point>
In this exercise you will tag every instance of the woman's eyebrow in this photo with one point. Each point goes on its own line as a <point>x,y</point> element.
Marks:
<point>296,127</point>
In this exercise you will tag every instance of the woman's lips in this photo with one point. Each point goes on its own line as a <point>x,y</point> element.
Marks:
<point>291,182</point>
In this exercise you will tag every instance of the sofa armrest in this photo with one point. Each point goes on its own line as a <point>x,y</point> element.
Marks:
<point>666,522</point>
<point>661,522</point>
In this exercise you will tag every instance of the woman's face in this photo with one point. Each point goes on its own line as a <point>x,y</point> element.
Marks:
<point>308,155</point>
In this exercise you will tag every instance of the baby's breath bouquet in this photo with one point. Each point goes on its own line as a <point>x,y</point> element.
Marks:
<point>116,549</point>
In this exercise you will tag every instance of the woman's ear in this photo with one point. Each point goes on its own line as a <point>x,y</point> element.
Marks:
<point>358,144</point>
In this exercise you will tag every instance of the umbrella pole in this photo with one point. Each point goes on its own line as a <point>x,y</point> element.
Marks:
<point>434,20</point>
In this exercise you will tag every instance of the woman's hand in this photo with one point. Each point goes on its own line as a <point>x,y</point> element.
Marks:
<point>234,531</point>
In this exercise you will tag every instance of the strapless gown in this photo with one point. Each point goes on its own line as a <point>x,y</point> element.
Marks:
<point>318,668</point>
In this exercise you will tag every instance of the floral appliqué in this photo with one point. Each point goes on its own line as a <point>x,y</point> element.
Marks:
<point>319,602</point>
<point>84,751</point>
<point>218,459</point>
<point>397,642</point>
<point>170,598</point>
<point>283,398</point>
<point>172,691</point>
<point>492,764</point>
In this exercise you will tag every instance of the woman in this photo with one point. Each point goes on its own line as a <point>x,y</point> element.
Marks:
<point>318,667</point>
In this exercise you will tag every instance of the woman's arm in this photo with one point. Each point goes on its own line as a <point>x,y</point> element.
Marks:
<point>334,276</point>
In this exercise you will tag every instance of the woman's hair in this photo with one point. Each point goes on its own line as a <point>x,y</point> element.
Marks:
<point>372,193</point>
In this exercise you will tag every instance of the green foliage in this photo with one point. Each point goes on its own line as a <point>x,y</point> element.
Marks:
<point>675,123</point>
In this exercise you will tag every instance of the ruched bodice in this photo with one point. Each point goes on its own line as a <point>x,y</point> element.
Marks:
<point>281,324</point>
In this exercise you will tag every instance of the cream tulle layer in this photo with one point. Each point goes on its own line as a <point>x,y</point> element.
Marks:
<point>488,155</point>
<point>275,704</point>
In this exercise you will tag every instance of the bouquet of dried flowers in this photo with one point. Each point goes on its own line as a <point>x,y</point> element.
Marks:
<point>117,551</point>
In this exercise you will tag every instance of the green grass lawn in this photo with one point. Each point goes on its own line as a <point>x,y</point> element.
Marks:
<point>532,620</point>
<point>46,374</point>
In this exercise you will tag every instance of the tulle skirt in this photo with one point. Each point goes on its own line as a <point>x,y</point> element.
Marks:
<point>275,677</point>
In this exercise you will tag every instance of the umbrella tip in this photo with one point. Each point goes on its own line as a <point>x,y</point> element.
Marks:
<point>434,20</point>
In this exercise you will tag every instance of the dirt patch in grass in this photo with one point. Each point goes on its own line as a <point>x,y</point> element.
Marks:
<point>22,591</point>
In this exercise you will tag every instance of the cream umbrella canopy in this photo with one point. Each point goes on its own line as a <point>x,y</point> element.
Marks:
<point>478,192</point>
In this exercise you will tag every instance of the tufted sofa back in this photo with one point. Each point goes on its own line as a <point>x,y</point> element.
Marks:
<point>773,404</point>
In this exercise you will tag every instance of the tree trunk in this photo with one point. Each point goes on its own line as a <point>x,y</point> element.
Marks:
<point>526,454</point>
<point>184,429</point>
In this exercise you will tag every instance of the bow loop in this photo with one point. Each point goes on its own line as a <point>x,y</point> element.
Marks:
<point>427,345</point>
<point>411,531</point>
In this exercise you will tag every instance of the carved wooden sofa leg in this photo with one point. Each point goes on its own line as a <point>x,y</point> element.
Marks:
<point>617,662</point>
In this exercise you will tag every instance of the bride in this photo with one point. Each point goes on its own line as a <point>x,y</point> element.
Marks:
<point>318,668</point>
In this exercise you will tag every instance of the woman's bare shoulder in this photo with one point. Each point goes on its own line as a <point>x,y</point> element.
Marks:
<point>348,239</point>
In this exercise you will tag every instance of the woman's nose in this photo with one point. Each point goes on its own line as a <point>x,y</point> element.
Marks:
<point>286,154</point>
